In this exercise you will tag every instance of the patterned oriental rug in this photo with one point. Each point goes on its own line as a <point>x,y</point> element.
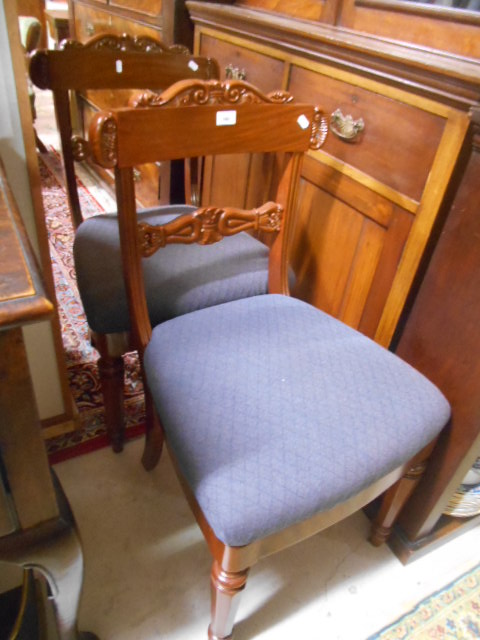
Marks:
<point>81,358</point>
<point>453,613</point>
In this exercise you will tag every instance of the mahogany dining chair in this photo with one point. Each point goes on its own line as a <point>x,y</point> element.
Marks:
<point>280,419</point>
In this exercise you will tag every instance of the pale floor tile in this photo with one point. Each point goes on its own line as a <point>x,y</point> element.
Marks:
<point>147,566</point>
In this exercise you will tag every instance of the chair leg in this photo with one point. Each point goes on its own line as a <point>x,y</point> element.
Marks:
<point>226,588</point>
<point>111,372</point>
<point>153,433</point>
<point>393,501</point>
<point>39,144</point>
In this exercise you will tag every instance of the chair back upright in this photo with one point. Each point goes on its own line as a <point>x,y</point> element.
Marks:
<point>107,62</point>
<point>205,118</point>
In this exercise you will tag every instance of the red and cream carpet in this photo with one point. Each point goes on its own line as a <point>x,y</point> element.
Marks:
<point>452,613</point>
<point>80,356</point>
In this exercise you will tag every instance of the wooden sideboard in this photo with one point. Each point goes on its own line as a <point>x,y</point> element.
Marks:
<point>165,21</point>
<point>375,207</point>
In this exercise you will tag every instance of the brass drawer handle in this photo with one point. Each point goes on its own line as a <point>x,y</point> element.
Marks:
<point>90,28</point>
<point>345,127</point>
<point>235,73</point>
<point>137,175</point>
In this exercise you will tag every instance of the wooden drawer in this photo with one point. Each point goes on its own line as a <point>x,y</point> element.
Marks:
<point>90,22</point>
<point>399,141</point>
<point>265,72</point>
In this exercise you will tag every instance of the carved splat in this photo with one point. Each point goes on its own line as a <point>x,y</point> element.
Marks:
<point>110,42</point>
<point>209,225</point>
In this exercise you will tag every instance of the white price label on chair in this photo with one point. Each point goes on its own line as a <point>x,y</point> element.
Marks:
<point>303,121</point>
<point>193,65</point>
<point>226,118</point>
<point>118,66</point>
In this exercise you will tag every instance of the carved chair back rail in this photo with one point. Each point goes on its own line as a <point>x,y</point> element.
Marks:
<point>82,69</point>
<point>137,147</point>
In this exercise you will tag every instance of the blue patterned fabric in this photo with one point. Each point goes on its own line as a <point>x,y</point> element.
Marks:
<point>277,411</point>
<point>178,278</point>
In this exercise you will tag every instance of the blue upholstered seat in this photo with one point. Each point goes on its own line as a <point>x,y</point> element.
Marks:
<point>178,279</point>
<point>276,411</point>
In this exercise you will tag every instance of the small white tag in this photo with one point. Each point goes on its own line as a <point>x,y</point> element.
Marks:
<point>193,65</point>
<point>303,122</point>
<point>118,66</point>
<point>226,118</point>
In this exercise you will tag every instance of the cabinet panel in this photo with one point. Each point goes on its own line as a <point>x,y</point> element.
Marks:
<point>441,339</point>
<point>347,246</point>
<point>147,7</point>
<point>399,142</point>
<point>437,32</point>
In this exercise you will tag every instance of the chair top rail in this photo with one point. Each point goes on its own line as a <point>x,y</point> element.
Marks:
<point>117,62</point>
<point>214,118</point>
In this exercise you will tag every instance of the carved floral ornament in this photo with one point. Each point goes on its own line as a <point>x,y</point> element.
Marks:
<point>209,225</point>
<point>189,93</point>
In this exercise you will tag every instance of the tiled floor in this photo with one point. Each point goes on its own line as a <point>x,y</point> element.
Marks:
<point>147,567</point>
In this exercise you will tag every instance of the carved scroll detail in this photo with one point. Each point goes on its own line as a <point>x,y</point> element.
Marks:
<point>125,42</point>
<point>209,225</point>
<point>231,92</point>
<point>80,149</point>
<point>319,129</point>
<point>104,143</point>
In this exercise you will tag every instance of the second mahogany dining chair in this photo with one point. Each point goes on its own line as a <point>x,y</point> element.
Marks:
<point>108,66</point>
<point>280,419</point>
<point>116,65</point>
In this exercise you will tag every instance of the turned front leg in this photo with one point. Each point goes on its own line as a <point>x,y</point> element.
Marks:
<point>226,588</point>
<point>154,435</point>
<point>393,501</point>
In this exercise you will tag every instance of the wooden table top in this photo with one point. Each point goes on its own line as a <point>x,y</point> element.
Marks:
<point>22,296</point>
